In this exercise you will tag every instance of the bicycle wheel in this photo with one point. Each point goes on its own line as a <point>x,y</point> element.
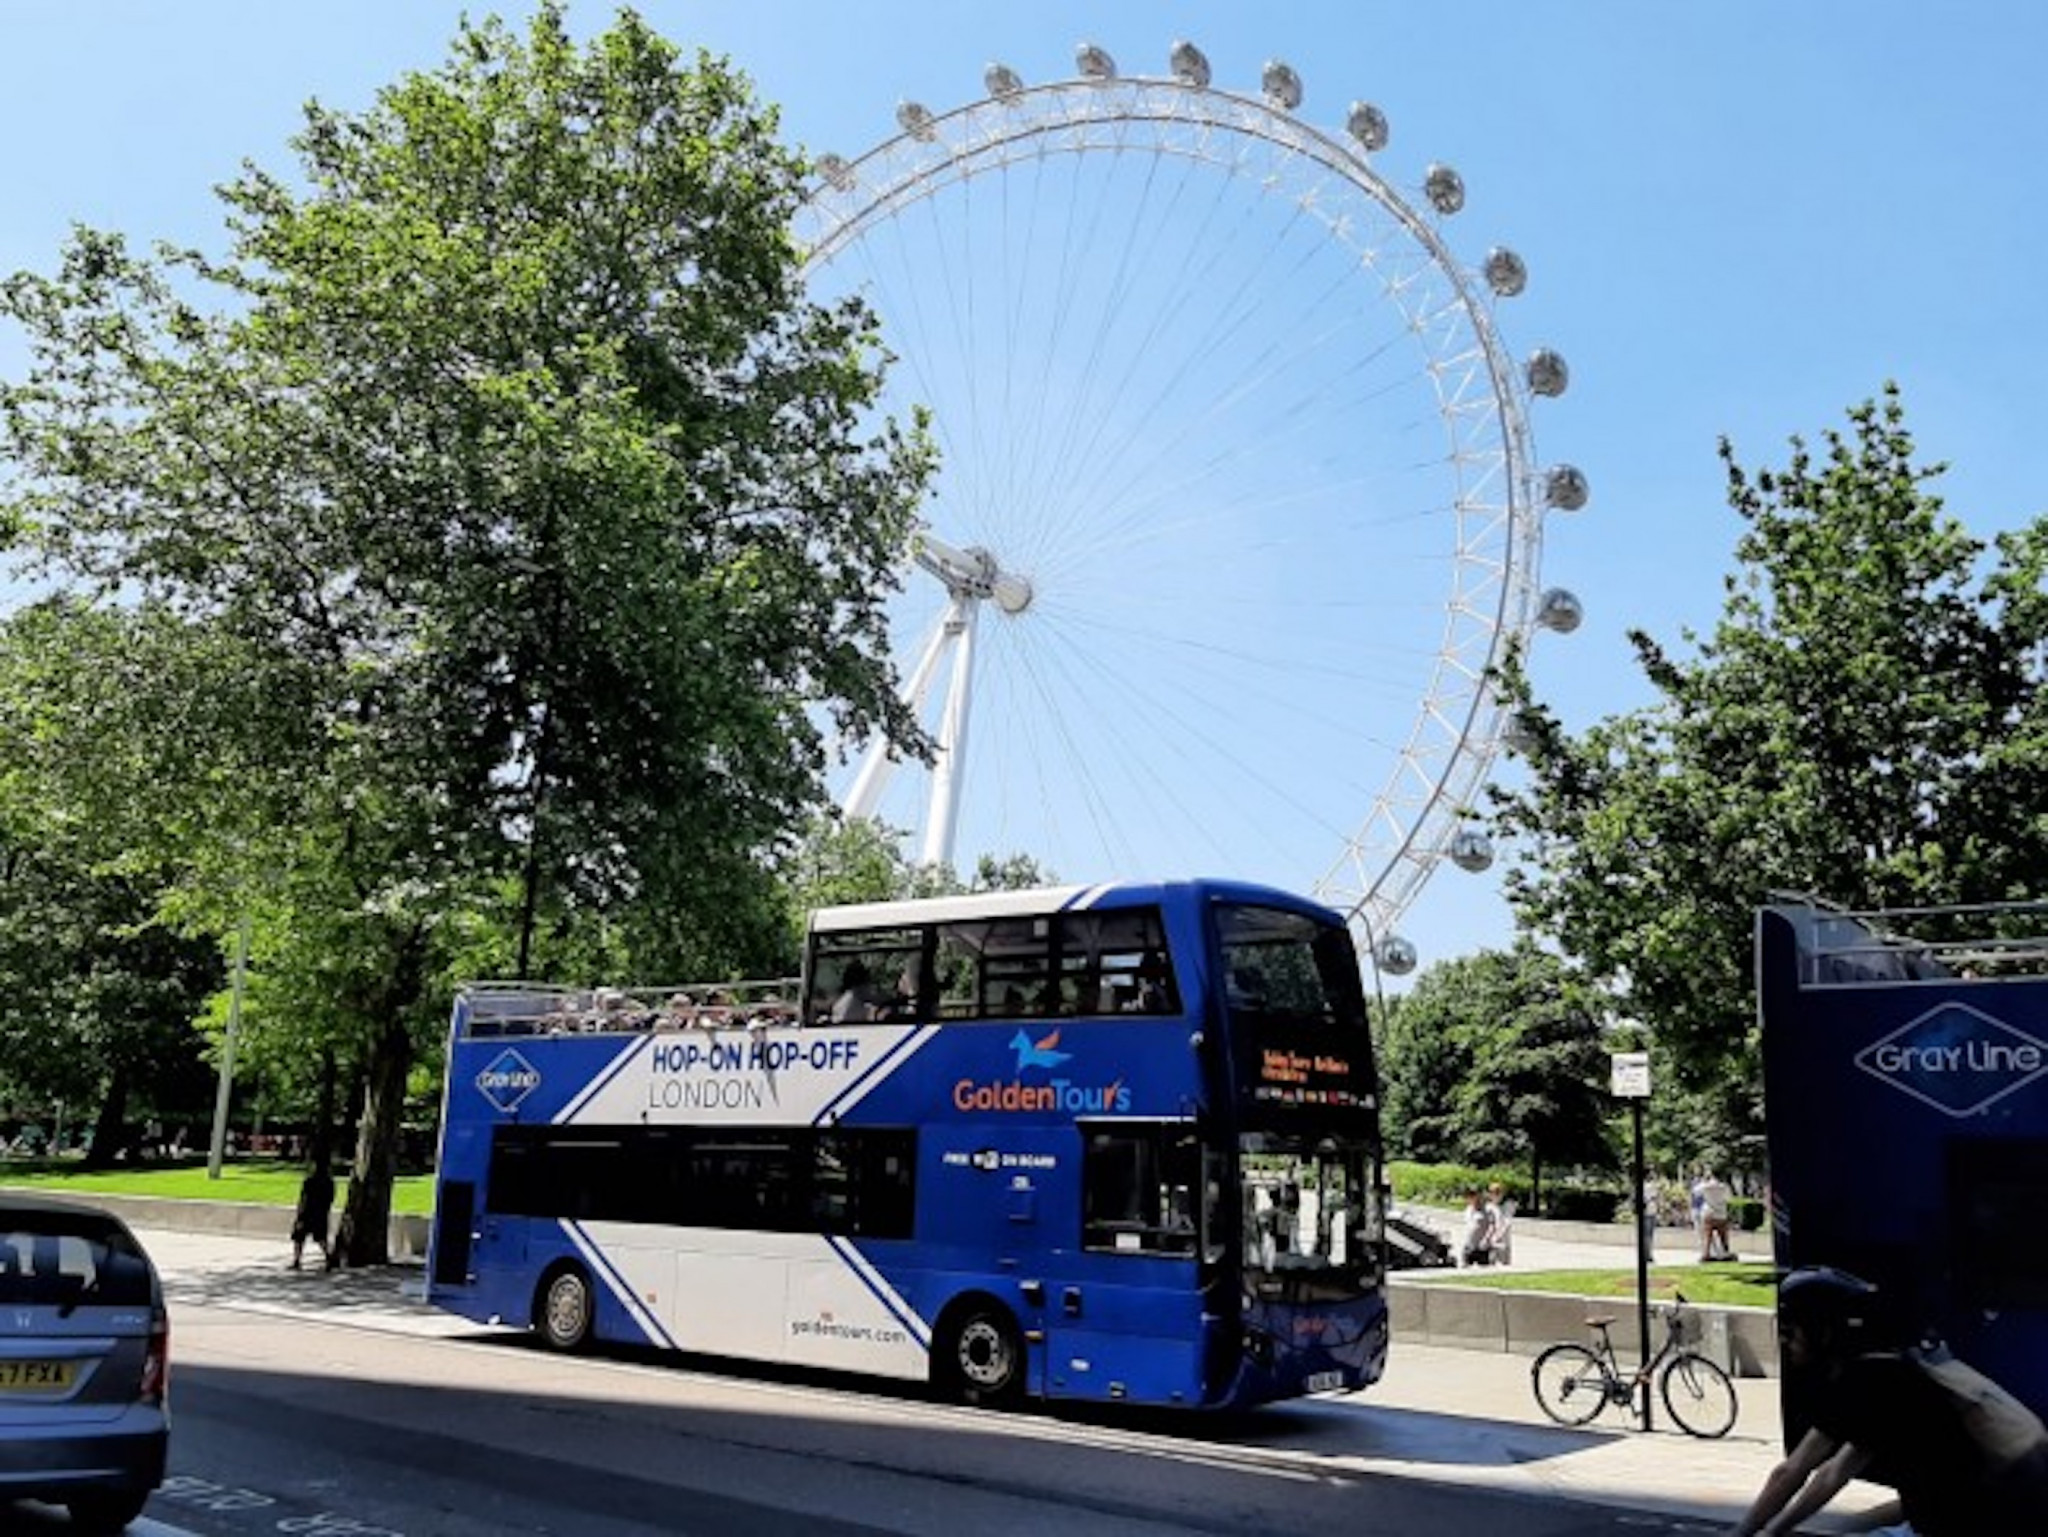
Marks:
<point>1698,1396</point>
<point>1571,1383</point>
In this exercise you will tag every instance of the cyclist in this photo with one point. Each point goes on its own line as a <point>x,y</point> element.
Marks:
<point>1966,1457</point>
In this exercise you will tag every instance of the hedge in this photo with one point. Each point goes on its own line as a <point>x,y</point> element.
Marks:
<point>1568,1198</point>
<point>1747,1213</point>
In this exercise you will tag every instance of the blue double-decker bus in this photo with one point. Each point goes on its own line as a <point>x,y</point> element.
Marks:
<point>1115,1142</point>
<point>1906,1106</point>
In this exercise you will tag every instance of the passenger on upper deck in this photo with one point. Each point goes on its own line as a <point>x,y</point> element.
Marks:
<point>1150,997</point>
<point>858,999</point>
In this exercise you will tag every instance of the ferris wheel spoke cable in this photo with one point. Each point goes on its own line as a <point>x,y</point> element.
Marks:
<point>1274,364</point>
<point>1177,725</point>
<point>1188,278</point>
<point>1211,662</point>
<point>1097,414</point>
<point>1116,749</point>
<point>965,330</point>
<point>1193,648</point>
<point>906,316</point>
<point>1101,418</point>
<point>1086,412</point>
<point>1076,761</point>
<point>1317,407</point>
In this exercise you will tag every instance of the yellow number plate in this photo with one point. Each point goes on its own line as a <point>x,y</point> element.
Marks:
<point>36,1376</point>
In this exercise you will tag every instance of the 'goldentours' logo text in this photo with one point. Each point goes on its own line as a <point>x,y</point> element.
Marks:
<point>1058,1095</point>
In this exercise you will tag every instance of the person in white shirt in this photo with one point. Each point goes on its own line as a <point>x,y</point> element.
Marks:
<point>858,1000</point>
<point>1711,1192</point>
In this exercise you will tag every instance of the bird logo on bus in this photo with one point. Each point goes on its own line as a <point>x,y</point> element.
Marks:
<point>1039,1053</point>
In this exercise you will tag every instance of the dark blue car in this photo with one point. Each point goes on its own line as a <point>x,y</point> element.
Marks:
<point>84,1362</point>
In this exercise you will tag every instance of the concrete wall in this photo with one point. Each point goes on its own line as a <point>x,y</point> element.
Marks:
<point>407,1237</point>
<point>1744,1340</point>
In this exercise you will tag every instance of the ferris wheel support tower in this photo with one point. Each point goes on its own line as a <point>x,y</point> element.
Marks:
<point>971,577</point>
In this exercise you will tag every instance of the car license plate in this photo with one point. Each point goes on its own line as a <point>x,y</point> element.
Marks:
<point>1323,1382</point>
<point>36,1376</point>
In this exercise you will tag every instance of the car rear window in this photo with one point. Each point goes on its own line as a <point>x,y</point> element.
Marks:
<point>69,1258</point>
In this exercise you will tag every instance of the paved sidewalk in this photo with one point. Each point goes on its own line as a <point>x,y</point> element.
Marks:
<point>1441,1413</point>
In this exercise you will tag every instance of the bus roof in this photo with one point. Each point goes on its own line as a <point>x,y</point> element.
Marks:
<point>1039,900</point>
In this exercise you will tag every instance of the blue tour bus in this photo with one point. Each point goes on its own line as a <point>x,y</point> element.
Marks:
<point>1115,1142</point>
<point>1906,1108</point>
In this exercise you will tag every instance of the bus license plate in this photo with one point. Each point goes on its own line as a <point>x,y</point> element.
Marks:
<point>1323,1382</point>
<point>36,1376</point>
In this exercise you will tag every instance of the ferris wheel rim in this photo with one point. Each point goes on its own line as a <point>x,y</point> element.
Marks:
<point>1458,721</point>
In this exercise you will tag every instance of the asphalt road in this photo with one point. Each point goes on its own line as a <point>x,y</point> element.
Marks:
<point>294,1425</point>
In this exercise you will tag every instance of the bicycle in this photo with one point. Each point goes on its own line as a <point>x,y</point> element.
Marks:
<point>1574,1383</point>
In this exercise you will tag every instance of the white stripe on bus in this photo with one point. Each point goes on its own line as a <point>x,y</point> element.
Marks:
<point>602,1079</point>
<point>602,1265</point>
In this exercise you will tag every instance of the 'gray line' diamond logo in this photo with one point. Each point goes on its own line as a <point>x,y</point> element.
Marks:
<point>508,1079</point>
<point>1958,1059</point>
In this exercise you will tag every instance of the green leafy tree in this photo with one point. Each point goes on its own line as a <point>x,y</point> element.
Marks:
<point>97,992</point>
<point>1866,723</point>
<point>1536,1090</point>
<point>1423,1056</point>
<point>542,508</point>
<point>1497,1058</point>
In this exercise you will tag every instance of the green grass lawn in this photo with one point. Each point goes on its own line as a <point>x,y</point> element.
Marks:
<point>1718,1285</point>
<point>259,1182</point>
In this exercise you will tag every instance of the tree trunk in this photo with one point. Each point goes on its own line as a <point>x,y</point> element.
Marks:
<point>1535,1180</point>
<point>364,1237</point>
<point>110,1129</point>
<point>529,874</point>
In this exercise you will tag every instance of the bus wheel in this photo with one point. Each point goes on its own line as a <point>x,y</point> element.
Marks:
<point>565,1308</point>
<point>983,1360</point>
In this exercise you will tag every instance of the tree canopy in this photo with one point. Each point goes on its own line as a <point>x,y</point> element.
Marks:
<point>547,523</point>
<point>1497,1058</point>
<point>1867,723</point>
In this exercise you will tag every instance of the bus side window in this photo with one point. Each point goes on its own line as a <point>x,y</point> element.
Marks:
<point>1138,1187</point>
<point>956,956</point>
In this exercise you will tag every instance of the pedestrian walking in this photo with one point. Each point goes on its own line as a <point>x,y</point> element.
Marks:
<point>1710,1199</point>
<point>309,1221</point>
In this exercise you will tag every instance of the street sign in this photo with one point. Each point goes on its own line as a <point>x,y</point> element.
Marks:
<point>1630,1074</point>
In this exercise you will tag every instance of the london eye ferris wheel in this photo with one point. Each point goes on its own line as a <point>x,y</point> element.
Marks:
<point>1238,502</point>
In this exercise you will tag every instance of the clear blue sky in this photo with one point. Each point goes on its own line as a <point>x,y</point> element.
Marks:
<point>1740,218</point>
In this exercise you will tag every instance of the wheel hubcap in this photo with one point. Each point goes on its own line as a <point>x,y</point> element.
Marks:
<point>565,1308</point>
<point>984,1354</point>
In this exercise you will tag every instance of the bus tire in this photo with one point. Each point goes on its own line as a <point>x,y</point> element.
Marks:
<point>565,1308</point>
<point>980,1357</point>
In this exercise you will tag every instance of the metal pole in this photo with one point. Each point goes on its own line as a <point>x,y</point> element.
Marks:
<point>226,1083</point>
<point>1642,1258</point>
